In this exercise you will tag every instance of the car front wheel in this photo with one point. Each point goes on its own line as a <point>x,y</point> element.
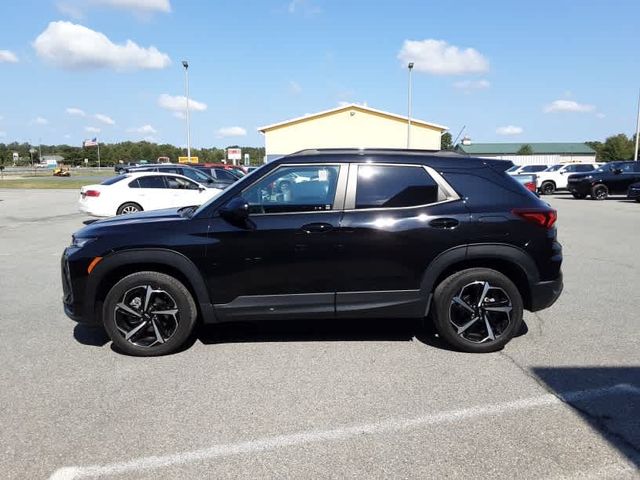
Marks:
<point>477,310</point>
<point>599,192</point>
<point>148,314</point>
<point>547,188</point>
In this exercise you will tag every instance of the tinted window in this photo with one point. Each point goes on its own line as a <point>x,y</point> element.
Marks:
<point>112,180</point>
<point>627,167</point>
<point>196,175</point>
<point>391,186</point>
<point>168,169</point>
<point>554,168</point>
<point>223,174</point>
<point>178,183</point>
<point>294,189</point>
<point>533,168</point>
<point>151,181</point>
<point>583,168</point>
<point>514,168</point>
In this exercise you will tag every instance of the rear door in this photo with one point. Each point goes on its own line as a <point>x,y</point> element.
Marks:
<point>397,219</point>
<point>150,192</point>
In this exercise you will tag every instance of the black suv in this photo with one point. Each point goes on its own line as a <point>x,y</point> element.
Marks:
<point>612,178</point>
<point>194,174</point>
<point>356,234</point>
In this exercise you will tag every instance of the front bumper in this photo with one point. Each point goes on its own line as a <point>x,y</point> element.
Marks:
<point>545,294</point>
<point>633,193</point>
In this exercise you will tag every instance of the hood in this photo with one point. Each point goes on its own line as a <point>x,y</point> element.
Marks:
<point>133,219</point>
<point>579,176</point>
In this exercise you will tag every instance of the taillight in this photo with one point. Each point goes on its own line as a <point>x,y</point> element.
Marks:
<point>92,193</point>
<point>531,186</point>
<point>544,217</point>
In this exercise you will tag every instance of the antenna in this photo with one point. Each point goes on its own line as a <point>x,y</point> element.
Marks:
<point>460,133</point>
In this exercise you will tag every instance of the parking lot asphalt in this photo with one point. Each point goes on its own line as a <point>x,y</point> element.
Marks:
<point>363,399</point>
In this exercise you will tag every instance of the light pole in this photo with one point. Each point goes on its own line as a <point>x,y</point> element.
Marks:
<point>410,66</point>
<point>185,64</point>
<point>635,156</point>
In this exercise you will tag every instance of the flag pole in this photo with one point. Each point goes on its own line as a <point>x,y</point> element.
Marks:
<point>635,156</point>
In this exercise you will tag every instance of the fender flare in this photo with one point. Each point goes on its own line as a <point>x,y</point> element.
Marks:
<point>160,256</point>
<point>491,251</point>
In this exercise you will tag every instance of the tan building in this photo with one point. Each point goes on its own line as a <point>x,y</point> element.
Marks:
<point>349,126</point>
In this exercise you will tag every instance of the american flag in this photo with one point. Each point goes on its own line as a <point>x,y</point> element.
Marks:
<point>90,143</point>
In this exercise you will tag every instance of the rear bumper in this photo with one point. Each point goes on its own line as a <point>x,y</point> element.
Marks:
<point>545,294</point>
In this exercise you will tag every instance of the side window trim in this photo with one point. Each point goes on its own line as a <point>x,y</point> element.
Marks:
<point>339,198</point>
<point>444,189</point>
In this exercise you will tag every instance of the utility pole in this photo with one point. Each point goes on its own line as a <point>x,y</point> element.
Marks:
<point>410,66</point>
<point>635,156</point>
<point>98,145</point>
<point>185,64</point>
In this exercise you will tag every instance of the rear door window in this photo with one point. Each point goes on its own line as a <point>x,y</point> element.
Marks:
<point>390,186</point>
<point>152,181</point>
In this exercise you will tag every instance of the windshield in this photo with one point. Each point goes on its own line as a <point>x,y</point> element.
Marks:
<point>247,178</point>
<point>533,168</point>
<point>514,168</point>
<point>112,180</point>
<point>607,167</point>
<point>554,168</point>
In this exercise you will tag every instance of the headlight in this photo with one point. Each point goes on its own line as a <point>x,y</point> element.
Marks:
<point>80,242</point>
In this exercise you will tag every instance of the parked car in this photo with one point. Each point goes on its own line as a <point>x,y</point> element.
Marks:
<point>374,234</point>
<point>527,180</point>
<point>186,170</point>
<point>221,175</point>
<point>612,178</point>
<point>634,192</point>
<point>555,177</point>
<point>121,167</point>
<point>238,169</point>
<point>518,169</point>
<point>137,192</point>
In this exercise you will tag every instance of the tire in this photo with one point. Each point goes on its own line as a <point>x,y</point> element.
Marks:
<point>547,188</point>
<point>129,207</point>
<point>638,199</point>
<point>124,314</point>
<point>465,330</point>
<point>599,192</point>
<point>579,196</point>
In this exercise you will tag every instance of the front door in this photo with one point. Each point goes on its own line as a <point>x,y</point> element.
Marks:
<point>628,173</point>
<point>283,260</point>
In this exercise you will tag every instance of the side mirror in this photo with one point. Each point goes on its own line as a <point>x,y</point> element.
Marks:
<point>201,188</point>
<point>617,171</point>
<point>236,212</point>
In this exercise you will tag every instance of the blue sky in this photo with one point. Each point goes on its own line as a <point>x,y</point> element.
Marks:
<point>510,71</point>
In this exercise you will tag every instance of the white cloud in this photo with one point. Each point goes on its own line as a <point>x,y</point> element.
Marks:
<point>306,7</point>
<point>509,130</point>
<point>468,86</point>
<point>107,120</point>
<point>231,132</point>
<point>92,129</point>
<point>72,46</point>
<point>144,129</point>
<point>437,57</point>
<point>568,106</point>
<point>40,121</point>
<point>295,88</point>
<point>76,112</point>
<point>178,104</point>
<point>148,6</point>
<point>7,56</point>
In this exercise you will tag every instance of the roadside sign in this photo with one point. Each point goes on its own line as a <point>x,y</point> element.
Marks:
<point>186,159</point>
<point>234,154</point>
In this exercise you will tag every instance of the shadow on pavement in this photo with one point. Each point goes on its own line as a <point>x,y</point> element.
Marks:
<point>89,335</point>
<point>616,415</point>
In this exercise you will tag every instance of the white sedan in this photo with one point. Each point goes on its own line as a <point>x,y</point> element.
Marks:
<point>136,192</point>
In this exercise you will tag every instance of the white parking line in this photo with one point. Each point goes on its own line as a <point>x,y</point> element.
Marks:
<point>316,436</point>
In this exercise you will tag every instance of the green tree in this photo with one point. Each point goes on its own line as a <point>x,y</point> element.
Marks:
<point>446,141</point>
<point>618,147</point>
<point>525,150</point>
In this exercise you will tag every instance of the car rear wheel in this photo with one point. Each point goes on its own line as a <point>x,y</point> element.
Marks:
<point>129,207</point>
<point>547,188</point>
<point>477,310</point>
<point>148,314</point>
<point>599,192</point>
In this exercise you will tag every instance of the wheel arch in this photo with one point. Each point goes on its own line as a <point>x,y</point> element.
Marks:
<point>118,265</point>
<point>509,260</point>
